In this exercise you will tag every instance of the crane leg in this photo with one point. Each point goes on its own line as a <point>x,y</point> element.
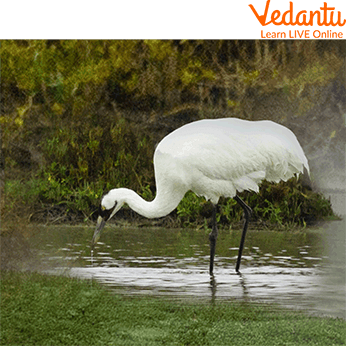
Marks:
<point>247,213</point>
<point>212,240</point>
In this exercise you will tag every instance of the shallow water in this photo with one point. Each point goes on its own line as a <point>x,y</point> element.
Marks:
<point>304,270</point>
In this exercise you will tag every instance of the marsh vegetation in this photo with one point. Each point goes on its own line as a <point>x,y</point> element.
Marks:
<point>81,117</point>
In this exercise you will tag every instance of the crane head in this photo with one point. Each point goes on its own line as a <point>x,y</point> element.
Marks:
<point>104,215</point>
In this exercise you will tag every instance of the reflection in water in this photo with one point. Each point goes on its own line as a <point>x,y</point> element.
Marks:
<point>213,286</point>
<point>304,270</point>
<point>332,277</point>
<point>243,285</point>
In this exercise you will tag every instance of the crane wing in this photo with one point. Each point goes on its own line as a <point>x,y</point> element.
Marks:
<point>220,157</point>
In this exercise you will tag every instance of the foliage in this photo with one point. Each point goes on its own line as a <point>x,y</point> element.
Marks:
<point>81,117</point>
<point>278,204</point>
<point>73,75</point>
<point>70,78</point>
<point>299,206</point>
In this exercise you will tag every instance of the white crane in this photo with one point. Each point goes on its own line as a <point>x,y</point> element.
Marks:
<point>212,158</point>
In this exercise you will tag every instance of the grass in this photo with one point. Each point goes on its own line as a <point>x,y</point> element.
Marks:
<point>45,310</point>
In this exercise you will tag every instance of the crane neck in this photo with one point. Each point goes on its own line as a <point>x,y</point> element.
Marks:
<point>165,202</point>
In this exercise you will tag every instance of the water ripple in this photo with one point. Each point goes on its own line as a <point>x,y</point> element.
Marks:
<point>303,270</point>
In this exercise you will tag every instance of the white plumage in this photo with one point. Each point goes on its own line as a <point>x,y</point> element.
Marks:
<point>219,157</point>
<point>213,158</point>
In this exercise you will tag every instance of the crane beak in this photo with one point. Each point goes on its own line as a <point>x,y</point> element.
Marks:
<point>98,230</point>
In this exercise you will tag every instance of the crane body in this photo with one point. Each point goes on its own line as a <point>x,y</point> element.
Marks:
<point>213,158</point>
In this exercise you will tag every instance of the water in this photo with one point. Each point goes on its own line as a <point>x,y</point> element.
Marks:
<point>304,270</point>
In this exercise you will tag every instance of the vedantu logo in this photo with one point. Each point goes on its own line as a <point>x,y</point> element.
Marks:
<point>323,16</point>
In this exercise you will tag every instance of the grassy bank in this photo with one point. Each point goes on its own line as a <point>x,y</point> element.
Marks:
<point>44,310</point>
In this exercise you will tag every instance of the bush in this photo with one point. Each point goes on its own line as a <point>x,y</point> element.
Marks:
<point>81,117</point>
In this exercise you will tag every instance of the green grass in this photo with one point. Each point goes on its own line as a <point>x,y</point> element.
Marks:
<point>45,310</point>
